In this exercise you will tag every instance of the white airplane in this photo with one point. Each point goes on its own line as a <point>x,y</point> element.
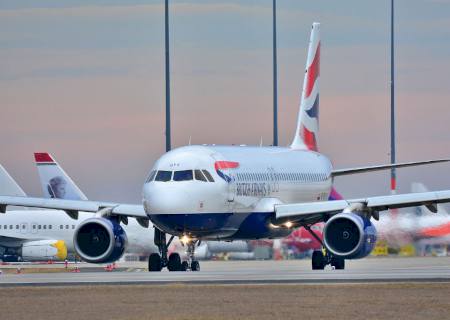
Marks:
<point>56,183</point>
<point>210,192</point>
<point>37,235</point>
<point>16,240</point>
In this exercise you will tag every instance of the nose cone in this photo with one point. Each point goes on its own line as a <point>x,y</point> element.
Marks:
<point>167,200</point>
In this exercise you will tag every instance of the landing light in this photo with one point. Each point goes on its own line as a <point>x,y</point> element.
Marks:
<point>185,239</point>
<point>288,224</point>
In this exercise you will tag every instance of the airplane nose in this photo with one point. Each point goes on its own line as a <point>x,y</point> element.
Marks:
<point>167,200</point>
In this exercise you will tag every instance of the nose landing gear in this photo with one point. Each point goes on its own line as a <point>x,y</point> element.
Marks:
<point>193,264</point>
<point>156,262</point>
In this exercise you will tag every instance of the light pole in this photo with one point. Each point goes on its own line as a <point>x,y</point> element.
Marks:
<point>275,79</point>
<point>167,58</point>
<point>393,171</point>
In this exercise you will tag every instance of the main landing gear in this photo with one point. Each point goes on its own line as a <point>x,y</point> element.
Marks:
<point>320,260</point>
<point>156,262</point>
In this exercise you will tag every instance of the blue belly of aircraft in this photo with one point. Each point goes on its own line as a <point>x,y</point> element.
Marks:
<point>253,225</point>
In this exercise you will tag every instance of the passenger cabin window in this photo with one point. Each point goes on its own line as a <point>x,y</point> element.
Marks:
<point>208,175</point>
<point>61,226</point>
<point>199,176</point>
<point>183,175</point>
<point>163,176</point>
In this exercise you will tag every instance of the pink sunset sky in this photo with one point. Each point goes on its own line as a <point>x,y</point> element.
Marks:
<point>86,83</point>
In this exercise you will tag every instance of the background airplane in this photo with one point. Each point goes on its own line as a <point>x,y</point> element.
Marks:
<point>40,235</point>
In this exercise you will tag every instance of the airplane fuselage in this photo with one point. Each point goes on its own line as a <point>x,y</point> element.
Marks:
<point>237,200</point>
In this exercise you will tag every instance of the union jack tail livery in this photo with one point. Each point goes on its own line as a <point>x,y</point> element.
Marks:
<point>308,117</point>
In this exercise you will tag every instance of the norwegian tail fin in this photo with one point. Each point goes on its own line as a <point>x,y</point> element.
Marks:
<point>55,182</point>
<point>308,117</point>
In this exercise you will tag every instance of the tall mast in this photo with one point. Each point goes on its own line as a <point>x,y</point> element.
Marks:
<point>393,171</point>
<point>275,80</point>
<point>167,57</point>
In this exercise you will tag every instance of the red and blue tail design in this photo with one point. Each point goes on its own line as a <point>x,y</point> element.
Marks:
<point>308,118</point>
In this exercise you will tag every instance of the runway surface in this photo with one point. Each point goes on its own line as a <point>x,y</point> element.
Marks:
<point>250,272</point>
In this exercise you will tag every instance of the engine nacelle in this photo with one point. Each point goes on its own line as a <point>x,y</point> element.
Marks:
<point>349,236</point>
<point>100,240</point>
<point>44,250</point>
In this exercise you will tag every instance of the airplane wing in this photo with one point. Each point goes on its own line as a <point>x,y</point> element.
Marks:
<point>72,207</point>
<point>313,212</point>
<point>348,171</point>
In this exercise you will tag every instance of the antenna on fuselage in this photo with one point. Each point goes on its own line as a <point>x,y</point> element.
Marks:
<point>190,138</point>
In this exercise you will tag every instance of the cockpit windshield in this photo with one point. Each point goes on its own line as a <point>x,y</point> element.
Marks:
<point>184,175</point>
<point>163,176</point>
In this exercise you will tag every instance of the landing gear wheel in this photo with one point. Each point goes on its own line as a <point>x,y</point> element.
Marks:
<point>184,266</point>
<point>318,260</point>
<point>338,263</point>
<point>174,263</point>
<point>195,266</point>
<point>154,262</point>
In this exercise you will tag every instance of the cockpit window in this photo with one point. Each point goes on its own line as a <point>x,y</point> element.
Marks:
<point>151,176</point>
<point>199,176</point>
<point>208,175</point>
<point>184,175</point>
<point>163,176</point>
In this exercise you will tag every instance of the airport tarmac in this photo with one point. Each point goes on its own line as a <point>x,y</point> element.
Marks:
<point>432,269</point>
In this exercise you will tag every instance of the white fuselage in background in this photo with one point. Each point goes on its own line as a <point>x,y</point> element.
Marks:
<point>20,226</point>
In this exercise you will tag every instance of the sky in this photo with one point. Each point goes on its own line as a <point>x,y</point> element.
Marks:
<point>85,82</point>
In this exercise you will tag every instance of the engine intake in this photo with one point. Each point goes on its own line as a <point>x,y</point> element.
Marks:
<point>349,236</point>
<point>100,240</point>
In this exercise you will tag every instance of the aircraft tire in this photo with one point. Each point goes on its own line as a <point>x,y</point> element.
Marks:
<point>338,263</point>
<point>318,260</point>
<point>195,265</point>
<point>154,263</point>
<point>174,263</point>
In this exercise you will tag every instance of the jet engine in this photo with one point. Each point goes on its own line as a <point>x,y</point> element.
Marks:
<point>100,240</point>
<point>349,236</point>
<point>44,250</point>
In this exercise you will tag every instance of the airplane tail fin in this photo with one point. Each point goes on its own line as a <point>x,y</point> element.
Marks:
<point>308,117</point>
<point>54,180</point>
<point>8,186</point>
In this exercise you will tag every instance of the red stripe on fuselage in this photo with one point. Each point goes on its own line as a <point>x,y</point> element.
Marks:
<point>226,165</point>
<point>42,157</point>
<point>313,72</point>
